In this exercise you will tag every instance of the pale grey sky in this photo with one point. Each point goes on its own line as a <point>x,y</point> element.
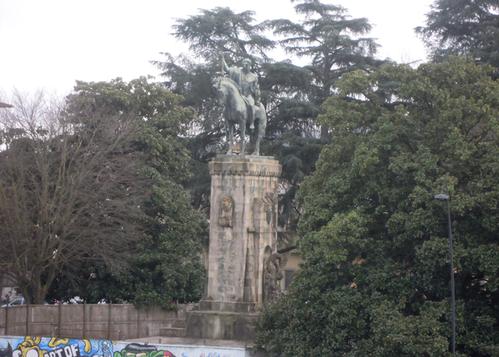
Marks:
<point>51,43</point>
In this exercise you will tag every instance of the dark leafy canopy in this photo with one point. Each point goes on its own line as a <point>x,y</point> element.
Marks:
<point>292,94</point>
<point>331,39</point>
<point>210,33</point>
<point>335,44</point>
<point>193,81</point>
<point>297,156</point>
<point>166,264</point>
<point>375,274</point>
<point>284,89</point>
<point>222,30</point>
<point>464,27</point>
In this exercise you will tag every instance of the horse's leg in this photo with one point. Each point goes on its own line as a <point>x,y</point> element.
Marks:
<point>262,124</point>
<point>251,115</point>
<point>256,150</point>
<point>252,140</point>
<point>230,136</point>
<point>242,126</point>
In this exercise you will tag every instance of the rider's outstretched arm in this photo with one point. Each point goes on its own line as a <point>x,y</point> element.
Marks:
<point>225,67</point>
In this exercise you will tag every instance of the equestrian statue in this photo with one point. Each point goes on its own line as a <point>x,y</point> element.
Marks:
<point>239,94</point>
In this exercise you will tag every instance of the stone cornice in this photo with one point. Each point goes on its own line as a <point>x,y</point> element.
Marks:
<point>245,166</point>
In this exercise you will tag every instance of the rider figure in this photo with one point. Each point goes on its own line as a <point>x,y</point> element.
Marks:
<point>247,83</point>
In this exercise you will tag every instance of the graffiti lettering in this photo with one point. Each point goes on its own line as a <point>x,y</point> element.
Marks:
<point>67,351</point>
<point>140,350</point>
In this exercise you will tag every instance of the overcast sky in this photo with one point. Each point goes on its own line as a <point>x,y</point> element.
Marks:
<point>48,44</point>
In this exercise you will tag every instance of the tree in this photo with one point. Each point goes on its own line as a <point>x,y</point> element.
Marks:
<point>209,33</point>
<point>222,30</point>
<point>333,42</point>
<point>166,264</point>
<point>463,27</point>
<point>291,94</point>
<point>69,195</point>
<point>374,241</point>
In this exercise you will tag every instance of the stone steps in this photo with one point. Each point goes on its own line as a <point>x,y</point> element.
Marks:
<point>226,325</point>
<point>175,327</point>
<point>179,323</point>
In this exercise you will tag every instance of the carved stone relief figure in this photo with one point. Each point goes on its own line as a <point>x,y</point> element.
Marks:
<point>226,211</point>
<point>272,273</point>
<point>269,207</point>
<point>256,209</point>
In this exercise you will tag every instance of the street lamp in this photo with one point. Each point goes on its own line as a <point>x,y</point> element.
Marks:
<point>444,197</point>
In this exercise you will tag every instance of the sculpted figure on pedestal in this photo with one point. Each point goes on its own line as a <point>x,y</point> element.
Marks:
<point>239,94</point>
<point>271,276</point>
<point>226,211</point>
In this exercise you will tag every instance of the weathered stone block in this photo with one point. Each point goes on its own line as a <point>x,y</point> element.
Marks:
<point>221,325</point>
<point>243,237</point>
<point>243,227</point>
<point>210,305</point>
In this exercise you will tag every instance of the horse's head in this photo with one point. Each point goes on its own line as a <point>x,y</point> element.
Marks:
<point>221,92</point>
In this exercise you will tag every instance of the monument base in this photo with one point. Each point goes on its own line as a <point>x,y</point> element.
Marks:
<point>221,325</point>
<point>222,320</point>
<point>227,306</point>
<point>243,238</point>
<point>243,226</point>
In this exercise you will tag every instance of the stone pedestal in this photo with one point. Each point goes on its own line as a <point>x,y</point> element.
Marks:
<point>243,226</point>
<point>243,237</point>
<point>221,325</point>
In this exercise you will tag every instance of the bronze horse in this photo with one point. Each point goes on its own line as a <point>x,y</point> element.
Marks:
<point>236,112</point>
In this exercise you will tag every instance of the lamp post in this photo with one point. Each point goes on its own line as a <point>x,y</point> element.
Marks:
<point>444,197</point>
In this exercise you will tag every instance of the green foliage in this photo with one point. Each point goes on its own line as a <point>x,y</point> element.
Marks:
<point>297,156</point>
<point>375,275</point>
<point>166,265</point>
<point>222,30</point>
<point>292,94</point>
<point>463,27</point>
<point>210,33</point>
<point>284,90</point>
<point>334,44</point>
<point>159,112</point>
<point>193,81</point>
<point>331,39</point>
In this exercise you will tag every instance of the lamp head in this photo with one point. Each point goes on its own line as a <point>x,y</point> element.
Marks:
<point>441,197</point>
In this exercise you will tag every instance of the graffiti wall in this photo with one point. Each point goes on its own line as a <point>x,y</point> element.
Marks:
<point>53,347</point>
<point>63,347</point>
